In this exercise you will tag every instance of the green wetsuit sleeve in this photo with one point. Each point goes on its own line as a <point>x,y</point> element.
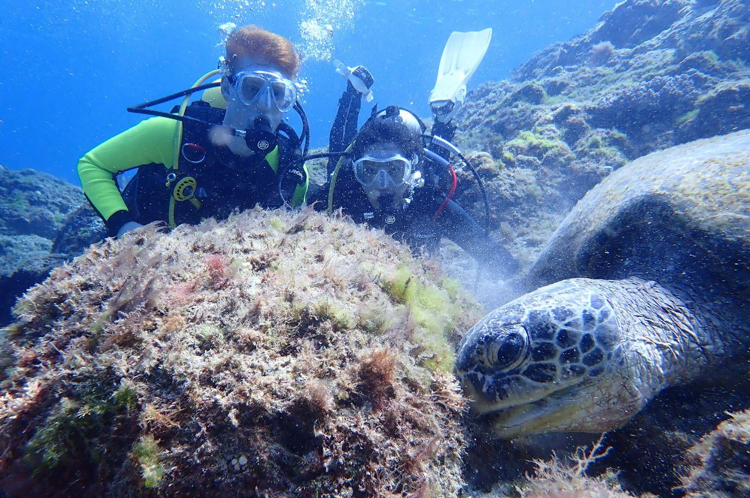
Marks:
<point>150,141</point>
<point>300,193</point>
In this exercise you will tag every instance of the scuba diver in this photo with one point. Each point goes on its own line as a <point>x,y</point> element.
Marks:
<point>394,176</point>
<point>229,151</point>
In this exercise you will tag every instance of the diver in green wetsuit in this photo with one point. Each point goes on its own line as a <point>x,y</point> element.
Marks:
<point>229,151</point>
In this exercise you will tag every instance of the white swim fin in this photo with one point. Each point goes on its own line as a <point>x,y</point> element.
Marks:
<point>461,56</point>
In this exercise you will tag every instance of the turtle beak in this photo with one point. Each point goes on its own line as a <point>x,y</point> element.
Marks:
<point>592,408</point>
<point>531,418</point>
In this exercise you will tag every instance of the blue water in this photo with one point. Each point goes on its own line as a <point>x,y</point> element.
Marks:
<point>71,68</point>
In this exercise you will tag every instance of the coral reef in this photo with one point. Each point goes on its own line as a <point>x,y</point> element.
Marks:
<point>273,354</point>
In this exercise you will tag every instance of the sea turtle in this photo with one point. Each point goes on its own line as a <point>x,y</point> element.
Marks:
<point>650,288</point>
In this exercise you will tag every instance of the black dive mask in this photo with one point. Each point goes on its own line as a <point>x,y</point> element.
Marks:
<point>261,139</point>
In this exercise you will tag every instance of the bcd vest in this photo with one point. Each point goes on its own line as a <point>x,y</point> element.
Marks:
<point>210,180</point>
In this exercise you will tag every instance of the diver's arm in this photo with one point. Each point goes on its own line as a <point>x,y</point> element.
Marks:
<point>444,130</point>
<point>151,141</point>
<point>344,126</point>
<point>462,229</point>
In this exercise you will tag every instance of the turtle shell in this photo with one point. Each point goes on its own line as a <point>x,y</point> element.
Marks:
<point>681,215</point>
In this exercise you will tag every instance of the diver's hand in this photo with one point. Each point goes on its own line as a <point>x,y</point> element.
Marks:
<point>358,79</point>
<point>127,227</point>
<point>361,80</point>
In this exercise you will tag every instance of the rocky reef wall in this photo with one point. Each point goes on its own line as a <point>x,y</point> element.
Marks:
<point>651,74</point>
<point>43,221</point>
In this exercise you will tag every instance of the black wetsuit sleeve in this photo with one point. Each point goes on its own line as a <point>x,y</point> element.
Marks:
<point>344,126</point>
<point>461,228</point>
<point>446,132</point>
<point>116,221</point>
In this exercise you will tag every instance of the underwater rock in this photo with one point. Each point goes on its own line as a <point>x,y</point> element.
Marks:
<point>650,75</point>
<point>723,461</point>
<point>17,249</point>
<point>81,228</point>
<point>723,110</point>
<point>634,22</point>
<point>642,105</point>
<point>273,354</point>
<point>34,203</point>
<point>33,269</point>
<point>37,214</point>
<point>531,92</point>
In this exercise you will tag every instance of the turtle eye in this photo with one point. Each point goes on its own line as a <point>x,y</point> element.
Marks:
<point>507,351</point>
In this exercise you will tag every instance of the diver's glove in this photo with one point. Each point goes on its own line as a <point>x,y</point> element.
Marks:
<point>358,79</point>
<point>361,80</point>
<point>127,227</point>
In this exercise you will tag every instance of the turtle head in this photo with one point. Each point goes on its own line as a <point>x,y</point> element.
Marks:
<point>538,363</point>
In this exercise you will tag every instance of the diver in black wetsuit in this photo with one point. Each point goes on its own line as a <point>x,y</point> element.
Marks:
<point>391,180</point>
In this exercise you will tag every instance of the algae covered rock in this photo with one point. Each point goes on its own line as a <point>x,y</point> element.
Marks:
<point>274,354</point>
<point>43,221</point>
<point>34,203</point>
<point>722,460</point>
<point>650,75</point>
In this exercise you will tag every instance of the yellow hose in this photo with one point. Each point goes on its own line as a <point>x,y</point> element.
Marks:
<point>178,139</point>
<point>334,177</point>
<point>183,106</point>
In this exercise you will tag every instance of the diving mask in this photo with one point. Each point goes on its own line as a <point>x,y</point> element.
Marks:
<point>382,170</point>
<point>267,87</point>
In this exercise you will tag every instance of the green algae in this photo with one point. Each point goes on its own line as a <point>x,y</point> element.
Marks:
<point>148,454</point>
<point>277,224</point>
<point>51,444</point>
<point>533,143</point>
<point>16,201</point>
<point>125,397</point>
<point>687,116</point>
<point>434,311</point>
<point>329,309</point>
<point>72,428</point>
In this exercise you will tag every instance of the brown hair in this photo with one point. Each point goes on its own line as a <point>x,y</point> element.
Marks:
<point>263,46</point>
<point>377,131</point>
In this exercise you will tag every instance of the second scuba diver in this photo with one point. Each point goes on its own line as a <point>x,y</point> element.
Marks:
<point>394,176</point>
<point>229,151</point>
